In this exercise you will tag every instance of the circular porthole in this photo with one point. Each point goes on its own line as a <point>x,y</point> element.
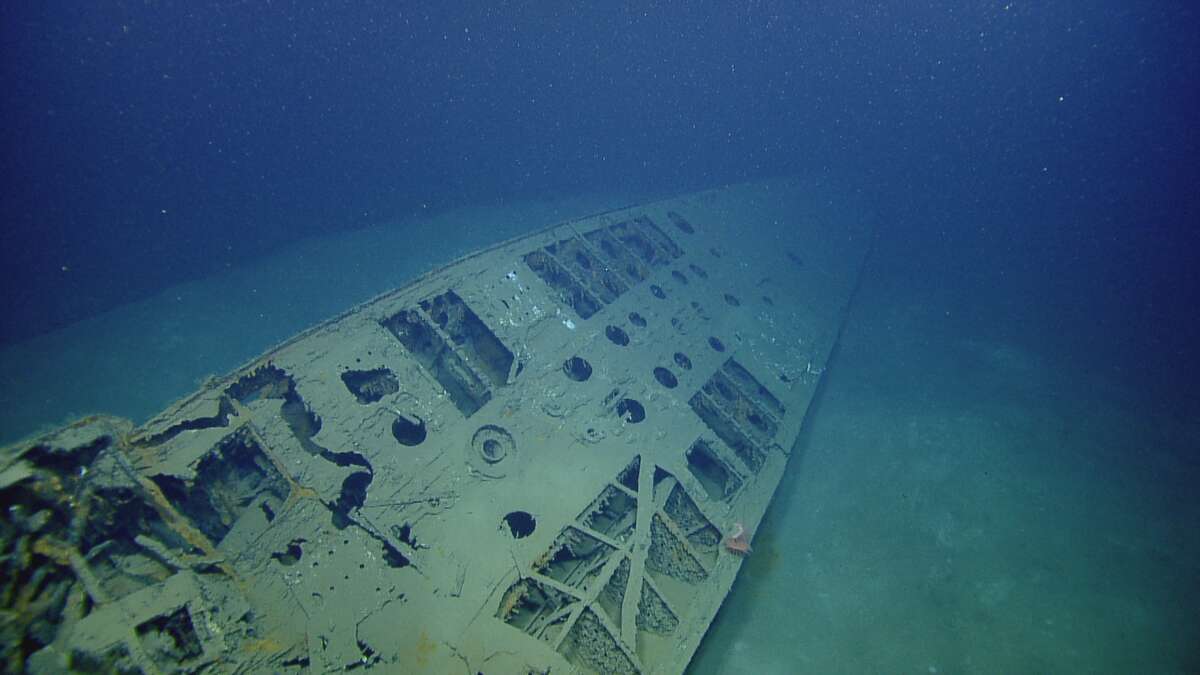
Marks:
<point>577,369</point>
<point>616,335</point>
<point>631,411</point>
<point>716,344</point>
<point>683,361</point>
<point>666,378</point>
<point>493,443</point>
<point>520,524</point>
<point>407,431</point>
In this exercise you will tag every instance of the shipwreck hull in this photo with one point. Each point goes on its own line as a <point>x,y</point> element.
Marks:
<point>525,461</point>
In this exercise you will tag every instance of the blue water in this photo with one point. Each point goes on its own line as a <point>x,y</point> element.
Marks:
<point>1035,168</point>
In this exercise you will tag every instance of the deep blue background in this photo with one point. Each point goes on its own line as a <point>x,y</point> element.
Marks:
<point>1042,159</point>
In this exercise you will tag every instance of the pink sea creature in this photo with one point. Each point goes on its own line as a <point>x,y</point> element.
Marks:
<point>737,543</point>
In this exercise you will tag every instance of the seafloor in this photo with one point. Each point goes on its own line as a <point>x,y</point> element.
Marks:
<point>962,502</point>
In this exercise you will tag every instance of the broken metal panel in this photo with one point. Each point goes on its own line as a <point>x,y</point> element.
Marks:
<point>588,268</point>
<point>527,460</point>
<point>570,289</point>
<point>616,256</point>
<point>713,470</point>
<point>471,337</point>
<point>436,352</point>
<point>164,627</point>
<point>234,478</point>
<point>99,571</point>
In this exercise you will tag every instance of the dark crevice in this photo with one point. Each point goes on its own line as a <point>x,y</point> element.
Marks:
<point>67,463</point>
<point>392,555</point>
<point>229,479</point>
<point>291,555</point>
<point>717,479</point>
<point>629,475</point>
<point>303,423</point>
<point>404,534</point>
<point>369,657</point>
<point>268,381</point>
<point>221,419</point>
<point>352,497</point>
<point>370,386</point>
<point>346,458</point>
<point>173,636</point>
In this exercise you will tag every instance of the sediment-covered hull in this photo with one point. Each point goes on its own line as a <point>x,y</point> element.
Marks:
<point>529,460</point>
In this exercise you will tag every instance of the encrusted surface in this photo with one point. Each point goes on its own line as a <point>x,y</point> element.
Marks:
<point>524,461</point>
